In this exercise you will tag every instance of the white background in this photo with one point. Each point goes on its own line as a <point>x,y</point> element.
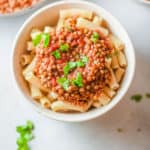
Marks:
<point>98,134</point>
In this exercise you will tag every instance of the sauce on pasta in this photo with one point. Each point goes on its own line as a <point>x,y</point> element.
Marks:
<point>93,73</point>
<point>77,65</point>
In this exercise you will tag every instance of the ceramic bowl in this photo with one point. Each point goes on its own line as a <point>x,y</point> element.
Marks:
<point>48,15</point>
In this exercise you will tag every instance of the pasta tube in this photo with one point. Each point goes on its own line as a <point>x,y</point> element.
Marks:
<point>104,99</point>
<point>25,59</point>
<point>76,12</point>
<point>31,78</point>
<point>35,92</point>
<point>122,59</point>
<point>119,74</point>
<point>109,92</point>
<point>113,82</point>
<point>98,20</point>
<point>118,44</point>
<point>45,102</point>
<point>83,23</point>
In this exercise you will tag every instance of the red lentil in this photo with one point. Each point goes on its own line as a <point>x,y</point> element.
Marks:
<point>94,73</point>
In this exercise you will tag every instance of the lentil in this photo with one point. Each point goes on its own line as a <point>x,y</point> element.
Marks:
<point>94,73</point>
<point>10,6</point>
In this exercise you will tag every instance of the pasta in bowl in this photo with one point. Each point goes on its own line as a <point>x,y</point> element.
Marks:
<point>73,64</point>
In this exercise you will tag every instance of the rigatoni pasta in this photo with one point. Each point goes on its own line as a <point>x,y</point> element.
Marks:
<point>83,23</point>
<point>45,102</point>
<point>76,65</point>
<point>26,59</point>
<point>98,20</point>
<point>67,13</point>
<point>35,92</point>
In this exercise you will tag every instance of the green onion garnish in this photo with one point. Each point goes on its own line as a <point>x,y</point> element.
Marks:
<point>69,66</point>
<point>147,95</point>
<point>85,59</point>
<point>80,63</point>
<point>95,36</point>
<point>136,97</point>
<point>64,47</point>
<point>56,54</point>
<point>45,36</point>
<point>64,82</point>
<point>78,80</point>
<point>36,40</point>
<point>26,135</point>
<point>46,39</point>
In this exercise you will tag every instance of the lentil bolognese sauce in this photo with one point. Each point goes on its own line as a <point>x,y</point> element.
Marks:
<point>71,63</point>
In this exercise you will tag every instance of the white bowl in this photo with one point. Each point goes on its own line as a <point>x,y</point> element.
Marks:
<point>23,11</point>
<point>48,16</point>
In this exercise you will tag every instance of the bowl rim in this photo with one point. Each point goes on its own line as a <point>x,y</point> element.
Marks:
<point>82,116</point>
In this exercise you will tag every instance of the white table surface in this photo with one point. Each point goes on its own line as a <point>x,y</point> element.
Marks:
<point>98,134</point>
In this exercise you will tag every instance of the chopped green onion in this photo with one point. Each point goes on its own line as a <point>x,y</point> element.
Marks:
<point>95,37</point>
<point>78,80</point>
<point>136,97</point>
<point>64,82</point>
<point>30,125</point>
<point>69,66</point>
<point>26,135</point>
<point>21,141</point>
<point>36,40</point>
<point>79,63</point>
<point>64,47</point>
<point>147,95</point>
<point>45,36</point>
<point>85,59</point>
<point>46,39</point>
<point>24,147</point>
<point>72,65</point>
<point>120,130</point>
<point>56,54</point>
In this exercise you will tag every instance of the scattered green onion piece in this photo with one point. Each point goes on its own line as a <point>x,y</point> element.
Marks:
<point>69,66</point>
<point>85,59</point>
<point>46,39</point>
<point>95,36</point>
<point>79,63</point>
<point>78,80</point>
<point>45,36</point>
<point>56,54</point>
<point>64,82</point>
<point>64,47</point>
<point>30,125</point>
<point>26,135</point>
<point>21,141</point>
<point>120,130</point>
<point>72,65</point>
<point>136,97</point>
<point>36,40</point>
<point>147,95</point>
<point>24,147</point>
